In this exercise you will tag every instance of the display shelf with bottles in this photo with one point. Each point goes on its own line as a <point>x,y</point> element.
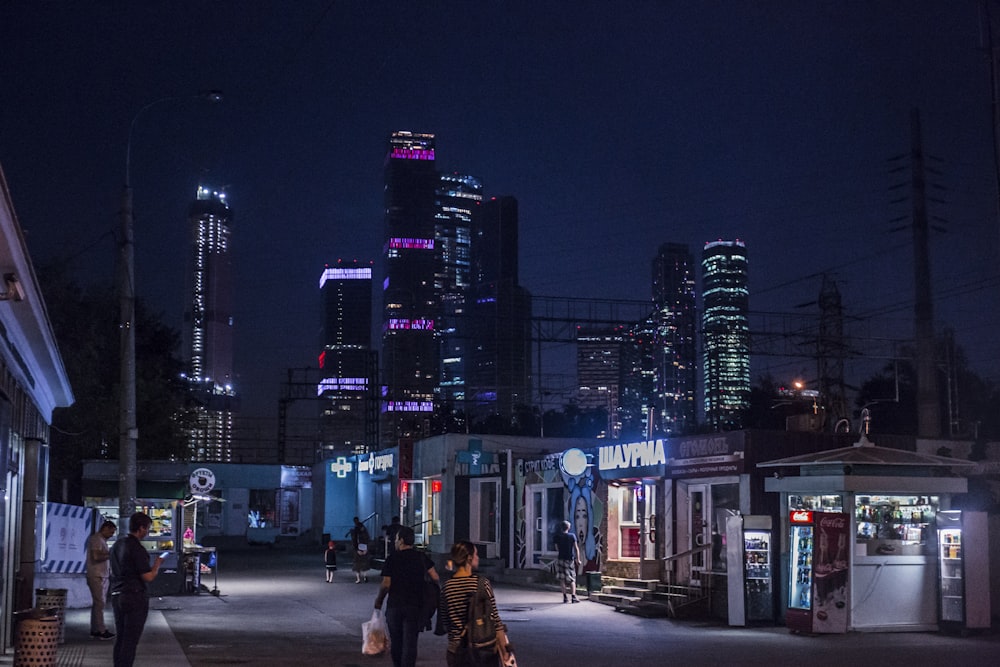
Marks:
<point>952,579</point>
<point>757,555</point>
<point>895,525</point>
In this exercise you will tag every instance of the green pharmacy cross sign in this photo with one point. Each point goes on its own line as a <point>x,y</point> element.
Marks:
<point>475,458</point>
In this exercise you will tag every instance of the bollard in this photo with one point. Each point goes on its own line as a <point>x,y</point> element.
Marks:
<point>36,643</point>
<point>53,598</point>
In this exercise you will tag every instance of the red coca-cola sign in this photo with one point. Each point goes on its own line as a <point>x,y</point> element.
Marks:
<point>800,516</point>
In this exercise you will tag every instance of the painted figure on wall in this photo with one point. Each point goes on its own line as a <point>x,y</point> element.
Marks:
<point>584,516</point>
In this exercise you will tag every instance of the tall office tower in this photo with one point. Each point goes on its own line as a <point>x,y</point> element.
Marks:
<point>209,330</point>
<point>675,352</point>
<point>458,202</point>
<point>726,337</point>
<point>637,392</point>
<point>599,373</point>
<point>349,413</point>
<point>499,366</point>
<point>410,352</point>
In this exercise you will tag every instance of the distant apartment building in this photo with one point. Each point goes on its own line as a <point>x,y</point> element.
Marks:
<point>208,319</point>
<point>726,334</point>
<point>599,373</point>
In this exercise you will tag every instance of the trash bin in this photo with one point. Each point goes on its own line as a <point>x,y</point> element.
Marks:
<point>53,598</point>
<point>36,641</point>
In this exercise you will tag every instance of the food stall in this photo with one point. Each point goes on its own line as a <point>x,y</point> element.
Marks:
<point>892,498</point>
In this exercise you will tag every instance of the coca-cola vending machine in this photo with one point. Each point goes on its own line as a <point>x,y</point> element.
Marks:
<point>818,571</point>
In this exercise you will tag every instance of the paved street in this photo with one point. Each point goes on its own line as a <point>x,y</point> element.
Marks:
<point>276,609</point>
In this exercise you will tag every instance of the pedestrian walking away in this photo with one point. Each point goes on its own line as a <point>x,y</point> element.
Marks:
<point>403,578</point>
<point>567,562</point>
<point>457,594</point>
<point>130,574</point>
<point>360,543</point>
<point>98,576</point>
<point>330,559</point>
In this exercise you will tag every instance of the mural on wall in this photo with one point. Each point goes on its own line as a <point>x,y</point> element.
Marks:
<point>585,509</point>
<point>580,504</point>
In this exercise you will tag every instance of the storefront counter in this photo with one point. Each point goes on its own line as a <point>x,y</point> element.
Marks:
<point>894,593</point>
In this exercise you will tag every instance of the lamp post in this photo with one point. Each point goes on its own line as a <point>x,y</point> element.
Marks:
<point>128,432</point>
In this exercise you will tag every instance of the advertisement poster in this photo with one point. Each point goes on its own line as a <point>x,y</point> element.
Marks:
<point>830,570</point>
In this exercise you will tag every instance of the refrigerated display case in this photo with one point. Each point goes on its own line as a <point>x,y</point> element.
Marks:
<point>748,553</point>
<point>963,558</point>
<point>818,571</point>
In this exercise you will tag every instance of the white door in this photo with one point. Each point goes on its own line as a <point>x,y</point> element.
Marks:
<point>545,513</point>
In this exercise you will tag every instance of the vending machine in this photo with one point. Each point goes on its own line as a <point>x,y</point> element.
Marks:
<point>748,558</point>
<point>964,574</point>
<point>818,571</point>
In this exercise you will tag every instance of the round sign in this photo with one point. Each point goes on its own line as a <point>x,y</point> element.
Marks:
<point>202,480</point>
<point>573,462</point>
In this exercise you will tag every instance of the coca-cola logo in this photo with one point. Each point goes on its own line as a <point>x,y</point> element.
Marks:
<point>833,522</point>
<point>800,516</point>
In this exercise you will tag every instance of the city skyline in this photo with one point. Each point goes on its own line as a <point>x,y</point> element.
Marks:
<point>774,125</point>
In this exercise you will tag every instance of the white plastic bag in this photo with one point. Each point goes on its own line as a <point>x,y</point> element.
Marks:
<point>375,635</point>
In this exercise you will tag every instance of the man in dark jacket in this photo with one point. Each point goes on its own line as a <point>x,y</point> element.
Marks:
<point>130,572</point>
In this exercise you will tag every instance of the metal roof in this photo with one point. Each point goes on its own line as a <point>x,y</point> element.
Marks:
<point>864,452</point>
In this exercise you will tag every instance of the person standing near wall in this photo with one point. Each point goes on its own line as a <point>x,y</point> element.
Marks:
<point>130,573</point>
<point>567,561</point>
<point>98,573</point>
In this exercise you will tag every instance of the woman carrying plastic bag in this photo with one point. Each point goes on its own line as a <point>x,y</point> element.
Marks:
<point>374,635</point>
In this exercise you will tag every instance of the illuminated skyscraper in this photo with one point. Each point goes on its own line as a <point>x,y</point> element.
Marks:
<point>726,337</point>
<point>209,330</point>
<point>349,417</point>
<point>410,360</point>
<point>674,351</point>
<point>599,372</point>
<point>458,201</point>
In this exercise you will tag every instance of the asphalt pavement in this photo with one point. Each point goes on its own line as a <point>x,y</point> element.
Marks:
<point>274,608</point>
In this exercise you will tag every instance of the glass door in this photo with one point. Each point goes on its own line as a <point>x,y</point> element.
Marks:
<point>698,527</point>
<point>485,515</point>
<point>411,508</point>
<point>546,511</point>
<point>950,558</point>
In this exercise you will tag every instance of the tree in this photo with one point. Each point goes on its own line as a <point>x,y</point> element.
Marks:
<point>85,323</point>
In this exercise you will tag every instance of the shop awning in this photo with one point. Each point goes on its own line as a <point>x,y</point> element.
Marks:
<point>865,453</point>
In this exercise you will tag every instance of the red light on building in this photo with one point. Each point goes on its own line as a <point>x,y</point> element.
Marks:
<point>404,488</point>
<point>435,486</point>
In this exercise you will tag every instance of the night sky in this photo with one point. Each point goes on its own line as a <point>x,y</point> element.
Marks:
<point>618,126</point>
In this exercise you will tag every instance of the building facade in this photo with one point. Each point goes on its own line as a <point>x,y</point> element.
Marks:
<point>410,352</point>
<point>348,412</point>
<point>726,337</point>
<point>499,354</point>
<point>208,318</point>
<point>675,352</point>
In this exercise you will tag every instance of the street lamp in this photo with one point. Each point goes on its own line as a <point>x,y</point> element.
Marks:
<point>128,433</point>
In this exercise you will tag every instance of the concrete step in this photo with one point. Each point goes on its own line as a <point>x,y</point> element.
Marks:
<point>628,591</point>
<point>613,600</point>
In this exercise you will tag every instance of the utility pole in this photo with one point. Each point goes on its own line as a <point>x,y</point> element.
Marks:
<point>928,408</point>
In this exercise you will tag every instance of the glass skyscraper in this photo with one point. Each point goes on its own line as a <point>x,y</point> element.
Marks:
<point>726,334</point>
<point>348,419</point>
<point>209,330</point>
<point>675,352</point>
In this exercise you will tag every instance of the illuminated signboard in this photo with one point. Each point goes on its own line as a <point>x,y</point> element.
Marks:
<point>341,467</point>
<point>411,243</point>
<point>345,274</point>
<point>341,384</point>
<point>412,325</point>
<point>408,406</point>
<point>632,455</point>
<point>800,516</point>
<point>399,153</point>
